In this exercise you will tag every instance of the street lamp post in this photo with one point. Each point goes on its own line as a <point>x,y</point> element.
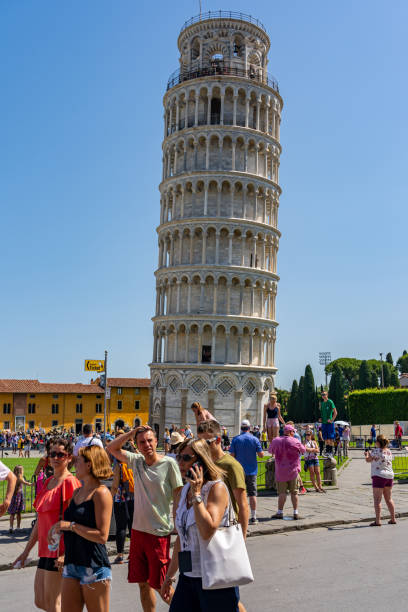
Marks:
<point>324,359</point>
<point>382,371</point>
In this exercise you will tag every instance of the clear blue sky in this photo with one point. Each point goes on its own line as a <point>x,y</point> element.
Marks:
<point>81,114</point>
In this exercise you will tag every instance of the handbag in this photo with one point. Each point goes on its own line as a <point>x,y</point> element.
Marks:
<point>224,557</point>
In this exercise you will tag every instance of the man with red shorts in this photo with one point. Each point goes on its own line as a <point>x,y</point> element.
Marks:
<point>157,482</point>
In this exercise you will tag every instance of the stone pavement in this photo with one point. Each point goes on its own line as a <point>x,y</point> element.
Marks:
<point>351,502</point>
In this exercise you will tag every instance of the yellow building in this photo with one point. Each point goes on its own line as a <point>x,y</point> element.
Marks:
<point>29,404</point>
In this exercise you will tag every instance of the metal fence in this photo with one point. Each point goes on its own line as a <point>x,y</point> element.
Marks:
<point>29,494</point>
<point>223,15</point>
<point>179,76</point>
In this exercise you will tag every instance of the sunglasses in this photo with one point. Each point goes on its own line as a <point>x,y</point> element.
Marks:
<point>184,458</point>
<point>211,440</point>
<point>54,454</point>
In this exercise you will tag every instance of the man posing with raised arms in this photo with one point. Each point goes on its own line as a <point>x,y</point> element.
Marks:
<point>157,482</point>
<point>329,413</point>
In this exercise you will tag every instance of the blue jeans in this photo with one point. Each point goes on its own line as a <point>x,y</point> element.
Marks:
<point>190,595</point>
<point>87,575</point>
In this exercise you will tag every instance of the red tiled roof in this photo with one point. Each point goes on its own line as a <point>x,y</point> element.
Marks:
<point>129,382</point>
<point>34,386</point>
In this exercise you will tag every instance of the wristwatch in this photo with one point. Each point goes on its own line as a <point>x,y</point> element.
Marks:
<point>197,499</point>
<point>72,525</point>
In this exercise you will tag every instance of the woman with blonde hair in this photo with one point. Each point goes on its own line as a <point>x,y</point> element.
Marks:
<point>272,416</point>
<point>382,476</point>
<point>87,572</point>
<point>202,507</point>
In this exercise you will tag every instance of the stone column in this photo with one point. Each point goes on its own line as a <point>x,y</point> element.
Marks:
<point>230,250</point>
<point>247,112</point>
<point>202,284</point>
<point>189,296</point>
<point>239,347</point>
<point>177,114</point>
<point>205,199</point>
<point>215,298</point>
<point>183,412</point>
<point>258,113</point>
<point>175,347</point>
<point>162,423</point>
<point>217,247</point>
<point>218,201</point>
<point>197,100</point>
<point>234,144</point>
<point>191,245</point>
<point>259,413</point>
<point>222,108</point>
<point>251,312</point>
<point>211,400</point>
<point>251,346</point>
<point>207,153</point>
<point>238,419</point>
<point>213,346</point>
<point>227,335</point>
<point>203,248</point>
<point>232,201</point>
<point>199,346</point>
<point>234,111</point>
<point>209,97</point>
<point>178,283</point>
<point>243,238</point>
<point>187,346</point>
<point>267,118</point>
<point>241,299</point>
<point>228,297</point>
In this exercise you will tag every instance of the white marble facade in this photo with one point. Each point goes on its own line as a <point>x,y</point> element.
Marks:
<point>218,238</point>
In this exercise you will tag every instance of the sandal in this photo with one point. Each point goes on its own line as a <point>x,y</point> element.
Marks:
<point>375,524</point>
<point>390,522</point>
<point>118,560</point>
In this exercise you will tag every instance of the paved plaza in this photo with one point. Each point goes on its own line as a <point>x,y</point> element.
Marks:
<point>350,503</point>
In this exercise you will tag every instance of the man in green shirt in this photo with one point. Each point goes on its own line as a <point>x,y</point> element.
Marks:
<point>329,413</point>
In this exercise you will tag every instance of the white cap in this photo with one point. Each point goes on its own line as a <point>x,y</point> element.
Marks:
<point>245,424</point>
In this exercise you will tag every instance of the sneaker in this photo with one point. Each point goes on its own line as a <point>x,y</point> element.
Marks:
<point>118,560</point>
<point>296,517</point>
<point>253,521</point>
<point>278,515</point>
<point>302,491</point>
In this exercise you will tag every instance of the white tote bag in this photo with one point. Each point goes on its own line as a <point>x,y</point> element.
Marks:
<point>224,558</point>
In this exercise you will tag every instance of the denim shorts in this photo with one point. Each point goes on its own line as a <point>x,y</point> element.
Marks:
<point>87,575</point>
<point>310,462</point>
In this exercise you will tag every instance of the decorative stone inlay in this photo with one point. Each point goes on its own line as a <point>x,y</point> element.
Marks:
<point>225,386</point>
<point>249,388</point>
<point>173,384</point>
<point>198,385</point>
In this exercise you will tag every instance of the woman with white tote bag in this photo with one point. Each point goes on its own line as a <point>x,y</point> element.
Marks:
<point>210,551</point>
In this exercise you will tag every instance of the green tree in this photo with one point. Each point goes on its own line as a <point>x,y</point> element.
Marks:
<point>349,366</point>
<point>283,398</point>
<point>365,378</point>
<point>337,390</point>
<point>389,359</point>
<point>387,371</point>
<point>404,353</point>
<point>300,401</point>
<point>402,363</point>
<point>309,396</point>
<point>374,378</point>
<point>291,409</point>
<point>394,378</point>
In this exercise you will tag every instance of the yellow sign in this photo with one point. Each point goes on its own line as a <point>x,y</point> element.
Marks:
<point>94,365</point>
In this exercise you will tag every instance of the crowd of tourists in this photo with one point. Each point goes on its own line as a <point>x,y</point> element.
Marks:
<point>203,486</point>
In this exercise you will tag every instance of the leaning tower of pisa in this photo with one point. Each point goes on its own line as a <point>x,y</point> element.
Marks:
<point>216,281</point>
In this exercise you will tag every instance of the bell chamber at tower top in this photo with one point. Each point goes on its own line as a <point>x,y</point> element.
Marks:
<point>223,43</point>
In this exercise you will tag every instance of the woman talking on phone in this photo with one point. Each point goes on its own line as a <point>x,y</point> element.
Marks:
<point>202,507</point>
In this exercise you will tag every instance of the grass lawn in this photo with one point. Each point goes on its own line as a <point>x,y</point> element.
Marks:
<point>305,476</point>
<point>400,467</point>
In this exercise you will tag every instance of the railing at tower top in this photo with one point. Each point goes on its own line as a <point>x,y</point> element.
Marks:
<point>223,15</point>
<point>179,76</point>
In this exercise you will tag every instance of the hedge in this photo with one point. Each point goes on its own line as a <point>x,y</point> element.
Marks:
<point>378,406</point>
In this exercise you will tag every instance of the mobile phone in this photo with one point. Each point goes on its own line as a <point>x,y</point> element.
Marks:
<point>190,473</point>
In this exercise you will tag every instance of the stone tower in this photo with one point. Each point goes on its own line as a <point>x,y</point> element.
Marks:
<point>216,281</point>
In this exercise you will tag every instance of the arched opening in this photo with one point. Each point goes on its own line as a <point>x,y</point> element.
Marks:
<point>215,111</point>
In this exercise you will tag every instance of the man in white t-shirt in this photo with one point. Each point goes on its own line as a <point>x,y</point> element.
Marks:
<point>157,482</point>
<point>88,439</point>
<point>6,474</point>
